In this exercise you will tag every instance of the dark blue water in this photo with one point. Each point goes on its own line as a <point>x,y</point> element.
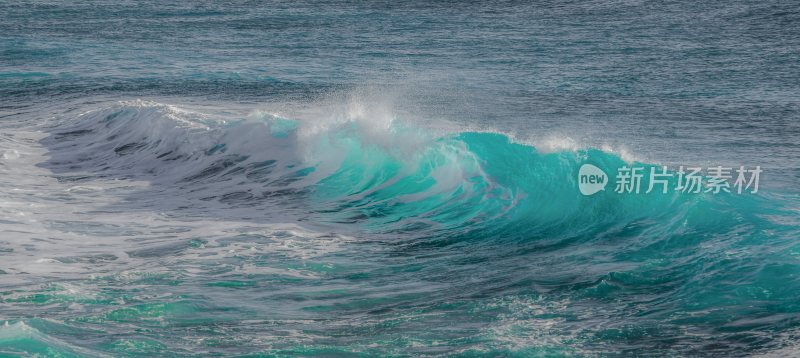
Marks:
<point>384,179</point>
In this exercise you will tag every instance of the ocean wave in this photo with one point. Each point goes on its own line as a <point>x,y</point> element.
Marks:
<point>20,338</point>
<point>362,167</point>
<point>470,215</point>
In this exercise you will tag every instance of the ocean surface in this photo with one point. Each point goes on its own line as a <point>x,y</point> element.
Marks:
<point>341,178</point>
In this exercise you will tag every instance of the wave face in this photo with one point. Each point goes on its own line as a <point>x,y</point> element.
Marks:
<point>317,231</point>
<point>384,176</point>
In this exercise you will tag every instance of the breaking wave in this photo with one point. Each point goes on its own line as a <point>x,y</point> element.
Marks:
<point>384,175</point>
<point>455,200</point>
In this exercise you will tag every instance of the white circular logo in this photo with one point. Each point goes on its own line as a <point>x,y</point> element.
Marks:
<point>591,179</point>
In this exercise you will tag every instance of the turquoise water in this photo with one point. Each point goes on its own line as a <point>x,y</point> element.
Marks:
<point>342,179</point>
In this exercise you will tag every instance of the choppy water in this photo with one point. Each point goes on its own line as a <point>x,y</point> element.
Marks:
<point>333,178</point>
